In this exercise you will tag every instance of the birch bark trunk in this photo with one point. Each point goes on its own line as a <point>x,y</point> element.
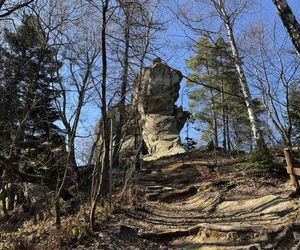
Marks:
<point>257,134</point>
<point>289,21</point>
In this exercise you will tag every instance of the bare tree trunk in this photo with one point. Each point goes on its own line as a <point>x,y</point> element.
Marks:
<point>4,208</point>
<point>228,133</point>
<point>20,195</point>
<point>214,123</point>
<point>3,198</point>
<point>224,124</point>
<point>57,213</point>
<point>104,174</point>
<point>289,21</point>
<point>95,190</point>
<point>257,134</point>
<point>244,86</point>
<point>122,103</point>
<point>92,215</point>
<point>105,159</point>
<point>71,157</point>
<point>11,197</point>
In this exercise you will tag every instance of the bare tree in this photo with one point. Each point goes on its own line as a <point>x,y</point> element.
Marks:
<point>127,10</point>
<point>103,183</point>
<point>274,71</point>
<point>7,7</point>
<point>80,53</point>
<point>137,27</point>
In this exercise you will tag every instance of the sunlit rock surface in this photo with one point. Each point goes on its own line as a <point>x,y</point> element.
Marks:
<point>156,91</point>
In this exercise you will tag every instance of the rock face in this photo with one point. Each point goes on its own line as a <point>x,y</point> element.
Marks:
<point>156,90</point>
<point>131,134</point>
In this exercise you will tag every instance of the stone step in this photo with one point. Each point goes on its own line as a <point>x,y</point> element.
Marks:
<point>152,196</point>
<point>157,187</point>
<point>146,170</point>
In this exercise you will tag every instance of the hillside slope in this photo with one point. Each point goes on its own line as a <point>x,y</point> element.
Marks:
<point>198,200</point>
<point>200,203</point>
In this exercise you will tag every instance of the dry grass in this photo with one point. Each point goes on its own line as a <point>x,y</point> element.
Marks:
<point>44,235</point>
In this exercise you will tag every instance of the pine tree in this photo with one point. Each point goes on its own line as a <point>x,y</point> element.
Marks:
<point>201,66</point>
<point>10,105</point>
<point>28,87</point>
<point>217,107</point>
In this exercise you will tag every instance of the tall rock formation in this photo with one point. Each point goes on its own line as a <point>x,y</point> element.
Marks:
<point>156,90</point>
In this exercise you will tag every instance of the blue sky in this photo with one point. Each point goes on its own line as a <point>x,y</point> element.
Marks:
<point>176,50</point>
<point>178,37</point>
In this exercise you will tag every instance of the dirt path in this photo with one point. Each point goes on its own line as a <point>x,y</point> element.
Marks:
<point>203,204</point>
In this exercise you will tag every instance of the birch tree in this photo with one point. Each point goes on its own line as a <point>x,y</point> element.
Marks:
<point>228,11</point>
<point>228,19</point>
<point>289,21</point>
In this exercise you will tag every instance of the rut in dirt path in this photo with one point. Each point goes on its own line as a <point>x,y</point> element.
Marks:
<point>202,204</point>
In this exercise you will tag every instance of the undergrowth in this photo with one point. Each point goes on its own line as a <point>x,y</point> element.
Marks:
<point>74,231</point>
<point>261,158</point>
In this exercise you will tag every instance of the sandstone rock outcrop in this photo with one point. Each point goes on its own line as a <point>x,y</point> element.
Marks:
<point>155,93</point>
<point>131,134</point>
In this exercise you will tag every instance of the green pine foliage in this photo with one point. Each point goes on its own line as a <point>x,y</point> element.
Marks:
<point>217,107</point>
<point>28,91</point>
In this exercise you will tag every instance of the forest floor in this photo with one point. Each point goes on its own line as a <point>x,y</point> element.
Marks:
<point>194,202</point>
<point>198,200</point>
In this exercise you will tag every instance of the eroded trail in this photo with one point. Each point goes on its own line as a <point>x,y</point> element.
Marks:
<point>205,204</point>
